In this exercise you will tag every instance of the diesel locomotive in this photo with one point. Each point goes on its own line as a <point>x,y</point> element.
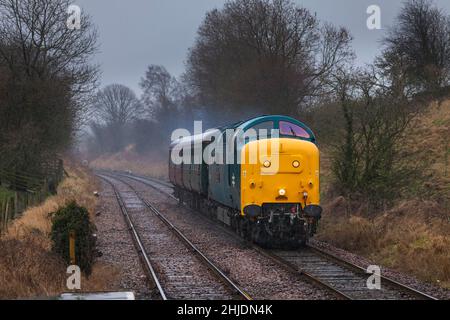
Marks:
<point>264,185</point>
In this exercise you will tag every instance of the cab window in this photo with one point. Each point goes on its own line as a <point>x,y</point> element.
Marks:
<point>267,126</point>
<point>290,129</point>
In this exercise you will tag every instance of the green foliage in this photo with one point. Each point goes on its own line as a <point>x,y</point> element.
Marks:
<point>5,193</point>
<point>367,162</point>
<point>74,218</point>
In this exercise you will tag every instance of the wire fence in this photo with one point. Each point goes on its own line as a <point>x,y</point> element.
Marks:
<point>22,189</point>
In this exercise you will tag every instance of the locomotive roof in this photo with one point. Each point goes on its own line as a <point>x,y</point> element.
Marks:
<point>206,136</point>
<point>264,118</point>
<point>246,124</point>
<point>251,122</point>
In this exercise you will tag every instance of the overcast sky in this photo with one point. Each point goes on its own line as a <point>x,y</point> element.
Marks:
<point>137,33</point>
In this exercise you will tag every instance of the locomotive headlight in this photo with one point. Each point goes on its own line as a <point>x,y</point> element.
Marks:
<point>267,164</point>
<point>282,192</point>
<point>296,164</point>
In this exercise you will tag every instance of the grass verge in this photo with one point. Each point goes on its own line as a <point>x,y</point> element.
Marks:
<point>413,237</point>
<point>28,268</point>
<point>152,165</point>
<point>413,234</point>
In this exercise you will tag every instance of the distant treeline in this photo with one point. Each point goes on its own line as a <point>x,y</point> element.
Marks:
<point>273,57</point>
<point>250,57</point>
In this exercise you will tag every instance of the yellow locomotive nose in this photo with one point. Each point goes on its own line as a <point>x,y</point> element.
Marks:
<point>293,173</point>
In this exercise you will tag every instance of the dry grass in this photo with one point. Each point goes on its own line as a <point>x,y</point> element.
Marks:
<point>104,277</point>
<point>28,268</point>
<point>414,235</point>
<point>152,165</point>
<point>427,139</point>
<point>78,186</point>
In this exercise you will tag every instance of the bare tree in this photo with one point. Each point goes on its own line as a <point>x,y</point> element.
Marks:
<point>419,46</point>
<point>160,93</point>
<point>49,79</point>
<point>35,40</point>
<point>265,54</point>
<point>116,108</point>
<point>117,105</point>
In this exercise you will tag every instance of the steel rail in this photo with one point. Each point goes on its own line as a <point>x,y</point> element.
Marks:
<point>283,263</point>
<point>361,270</point>
<point>137,240</point>
<point>302,273</point>
<point>223,277</point>
<point>291,267</point>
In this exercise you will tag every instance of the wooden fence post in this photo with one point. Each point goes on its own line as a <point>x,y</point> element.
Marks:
<point>34,188</point>
<point>2,205</point>
<point>16,204</point>
<point>6,214</point>
<point>72,237</point>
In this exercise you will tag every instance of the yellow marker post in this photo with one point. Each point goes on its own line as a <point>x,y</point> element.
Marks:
<point>72,247</point>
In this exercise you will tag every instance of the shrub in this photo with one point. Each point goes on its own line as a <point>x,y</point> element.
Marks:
<point>74,218</point>
<point>368,164</point>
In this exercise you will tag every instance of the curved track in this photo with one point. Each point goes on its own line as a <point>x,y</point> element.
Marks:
<point>347,280</point>
<point>343,278</point>
<point>176,266</point>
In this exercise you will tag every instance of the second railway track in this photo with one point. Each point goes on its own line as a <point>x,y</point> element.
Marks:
<point>343,278</point>
<point>346,280</point>
<point>178,269</point>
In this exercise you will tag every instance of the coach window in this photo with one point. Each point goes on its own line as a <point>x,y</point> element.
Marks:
<point>290,129</point>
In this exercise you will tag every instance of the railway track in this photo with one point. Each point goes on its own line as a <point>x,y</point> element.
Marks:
<point>346,280</point>
<point>410,292</point>
<point>177,268</point>
<point>343,278</point>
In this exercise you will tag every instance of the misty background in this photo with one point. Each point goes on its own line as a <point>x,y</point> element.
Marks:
<point>111,93</point>
<point>136,33</point>
<point>136,71</point>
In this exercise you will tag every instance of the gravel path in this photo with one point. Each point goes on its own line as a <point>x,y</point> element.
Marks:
<point>257,275</point>
<point>116,245</point>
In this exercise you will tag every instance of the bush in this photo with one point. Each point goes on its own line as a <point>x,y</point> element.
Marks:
<point>74,218</point>
<point>367,162</point>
